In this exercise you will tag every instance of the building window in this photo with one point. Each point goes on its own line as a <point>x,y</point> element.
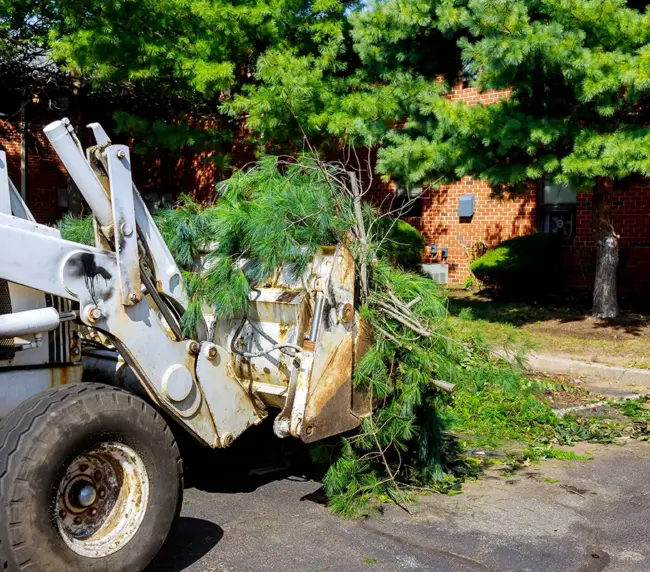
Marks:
<point>558,209</point>
<point>408,202</point>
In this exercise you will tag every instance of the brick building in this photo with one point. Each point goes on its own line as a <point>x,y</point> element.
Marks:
<point>452,240</point>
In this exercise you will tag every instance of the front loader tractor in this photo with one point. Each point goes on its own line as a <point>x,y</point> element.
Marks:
<point>95,371</point>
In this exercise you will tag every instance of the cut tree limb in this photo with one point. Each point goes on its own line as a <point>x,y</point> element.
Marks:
<point>444,385</point>
<point>361,233</point>
<point>388,336</point>
<point>402,319</point>
<point>414,302</point>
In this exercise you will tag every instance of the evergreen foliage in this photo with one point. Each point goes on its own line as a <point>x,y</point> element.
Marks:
<point>520,266</point>
<point>164,67</point>
<point>571,101</point>
<point>276,213</point>
<point>77,229</point>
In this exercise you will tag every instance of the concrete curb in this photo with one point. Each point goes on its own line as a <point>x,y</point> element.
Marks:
<point>597,371</point>
<point>612,374</point>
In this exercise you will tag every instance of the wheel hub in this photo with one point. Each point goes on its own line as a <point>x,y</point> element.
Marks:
<point>101,499</point>
<point>86,496</point>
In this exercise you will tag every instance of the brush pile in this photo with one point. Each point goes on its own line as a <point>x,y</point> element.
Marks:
<point>278,213</point>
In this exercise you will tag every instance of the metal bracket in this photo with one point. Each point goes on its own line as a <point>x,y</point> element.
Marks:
<point>100,135</point>
<point>126,238</point>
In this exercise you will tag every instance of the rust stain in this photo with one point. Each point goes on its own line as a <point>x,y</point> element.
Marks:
<point>65,375</point>
<point>328,410</point>
<point>287,296</point>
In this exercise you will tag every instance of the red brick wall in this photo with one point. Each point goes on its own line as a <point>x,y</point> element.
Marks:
<point>494,220</point>
<point>630,217</point>
<point>45,174</point>
<point>631,220</point>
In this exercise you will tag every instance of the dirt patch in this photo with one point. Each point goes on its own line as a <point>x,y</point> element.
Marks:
<point>568,392</point>
<point>626,328</point>
<point>564,399</point>
<point>566,331</point>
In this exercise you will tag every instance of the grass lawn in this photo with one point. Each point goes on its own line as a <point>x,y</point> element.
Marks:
<point>569,332</point>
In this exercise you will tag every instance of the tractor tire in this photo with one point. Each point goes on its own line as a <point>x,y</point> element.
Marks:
<point>90,480</point>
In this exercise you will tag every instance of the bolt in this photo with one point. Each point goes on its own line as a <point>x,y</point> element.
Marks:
<point>83,467</point>
<point>310,430</point>
<point>193,347</point>
<point>345,312</point>
<point>63,514</point>
<point>92,313</point>
<point>93,512</point>
<point>212,353</point>
<point>126,229</point>
<point>74,352</point>
<point>77,520</point>
<point>98,475</point>
<point>120,154</point>
<point>228,438</point>
<point>135,297</point>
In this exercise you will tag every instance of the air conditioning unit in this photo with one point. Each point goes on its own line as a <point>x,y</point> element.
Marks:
<point>437,272</point>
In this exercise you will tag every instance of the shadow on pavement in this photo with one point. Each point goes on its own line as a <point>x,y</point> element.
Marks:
<point>189,540</point>
<point>255,459</point>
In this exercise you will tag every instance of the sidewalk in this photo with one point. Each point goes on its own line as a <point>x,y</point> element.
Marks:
<point>611,380</point>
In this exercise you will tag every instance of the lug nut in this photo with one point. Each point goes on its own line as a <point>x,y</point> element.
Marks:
<point>77,520</point>
<point>120,154</point>
<point>212,352</point>
<point>63,514</point>
<point>93,512</point>
<point>193,347</point>
<point>101,493</point>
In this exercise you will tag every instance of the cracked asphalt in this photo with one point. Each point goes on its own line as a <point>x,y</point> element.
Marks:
<point>578,516</point>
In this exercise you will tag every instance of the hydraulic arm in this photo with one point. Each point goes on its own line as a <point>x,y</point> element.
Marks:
<point>131,290</point>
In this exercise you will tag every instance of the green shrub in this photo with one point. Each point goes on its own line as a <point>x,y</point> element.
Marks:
<point>404,243</point>
<point>521,266</point>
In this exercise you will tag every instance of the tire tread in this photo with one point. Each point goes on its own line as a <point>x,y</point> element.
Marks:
<point>22,420</point>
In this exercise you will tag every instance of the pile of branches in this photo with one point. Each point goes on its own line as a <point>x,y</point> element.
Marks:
<point>278,213</point>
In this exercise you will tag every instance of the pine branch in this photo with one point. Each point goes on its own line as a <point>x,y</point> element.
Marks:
<point>402,319</point>
<point>363,238</point>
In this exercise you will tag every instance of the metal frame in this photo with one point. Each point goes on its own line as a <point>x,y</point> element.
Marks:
<point>187,378</point>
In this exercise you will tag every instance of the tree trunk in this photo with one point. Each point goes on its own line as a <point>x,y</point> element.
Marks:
<point>605,299</point>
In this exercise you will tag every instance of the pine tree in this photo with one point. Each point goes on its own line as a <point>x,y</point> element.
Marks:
<point>577,111</point>
<point>577,114</point>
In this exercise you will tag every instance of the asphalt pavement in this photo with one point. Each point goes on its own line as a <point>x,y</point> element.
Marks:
<point>578,516</point>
